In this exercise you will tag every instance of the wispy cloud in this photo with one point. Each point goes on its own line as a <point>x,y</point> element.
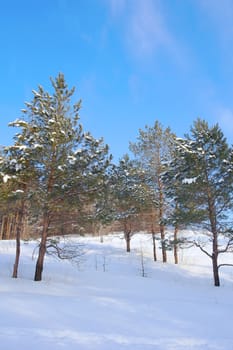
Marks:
<point>116,6</point>
<point>147,30</point>
<point>145,26</point>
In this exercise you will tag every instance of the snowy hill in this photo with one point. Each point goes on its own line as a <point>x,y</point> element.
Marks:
<point>104,303</point>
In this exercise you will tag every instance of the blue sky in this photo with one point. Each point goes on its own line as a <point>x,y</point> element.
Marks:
<point>132,62</point>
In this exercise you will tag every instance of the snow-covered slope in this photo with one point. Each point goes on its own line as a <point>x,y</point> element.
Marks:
<point>104,303</point>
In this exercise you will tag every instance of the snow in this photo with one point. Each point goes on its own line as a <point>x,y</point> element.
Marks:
<point>18,123</point>
<point>189,180</point>
<point>79,150</point>
<point>36,93</point>
<point>21,147</point>
<point>37,145</point>
<point>104,303</point>
<point>18,191</point>
<point>88,137</point>
<point>72,159</point>
<point>6,178</point>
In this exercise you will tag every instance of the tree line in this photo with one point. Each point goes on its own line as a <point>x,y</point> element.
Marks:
<point>56,172</point>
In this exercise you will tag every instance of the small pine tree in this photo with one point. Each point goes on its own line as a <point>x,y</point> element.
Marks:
<point>129,195</point>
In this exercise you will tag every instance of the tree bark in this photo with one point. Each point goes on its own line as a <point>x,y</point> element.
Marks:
<point>213,225</point>
<point>161,225</point>
<point>175,245</point>
<point>3,227</point>
<point>19,229</point>
<point>127,239</point>
<point>154,246</point>
<point>42,248</point>
<point>215,271</point>
<point>46,221</point>
<point>215,260</point>
<point>212,217</point>
<point>127,234</point>
<point>164,252</point>
<point>6,227</point>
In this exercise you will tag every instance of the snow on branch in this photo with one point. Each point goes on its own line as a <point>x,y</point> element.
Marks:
<point>189,180</point>
<point>18,123</point>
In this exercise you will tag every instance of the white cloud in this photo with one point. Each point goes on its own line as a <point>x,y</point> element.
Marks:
<point>144,26</point>
<point>146,29</point>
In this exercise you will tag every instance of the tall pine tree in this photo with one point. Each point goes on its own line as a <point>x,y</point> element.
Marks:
<point>130,195</point>
<point>201,182</point>
<point>152,150</point>
<point>67,164</point>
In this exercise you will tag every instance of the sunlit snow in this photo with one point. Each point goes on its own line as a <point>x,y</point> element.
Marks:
<point>104,303</point>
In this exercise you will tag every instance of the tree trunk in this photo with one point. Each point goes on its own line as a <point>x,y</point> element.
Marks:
<point>214,247</point>
<point>42,249</point>
<point>164,252</point>
<point>6,227</point>
<point>213,225</point>
<point>127,239</point>
<point>127,234</point>
<point>161,218</point>
<point>215,270</point>
<point>3,227</point>
<point>19,229</point>
<point>154,246</point>
<point>175,245</point>
<point>215,259</point>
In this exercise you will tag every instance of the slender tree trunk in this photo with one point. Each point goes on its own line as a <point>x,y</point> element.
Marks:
<point>46,222</point>
<point>154,246</point>
<point>42,249</point>
<point>7,226</point>
<point>161,225</point>
<point>215,260</point>
<point>214,250</point>
<point>127,239</point>
<point>175,245</point>
<point>19,229</point>
<point>164,252</point>
<point>212,217</point>
<point>3,227</point>
<point>213,224</point>
<point>215,271</point>
<point>127,234</point>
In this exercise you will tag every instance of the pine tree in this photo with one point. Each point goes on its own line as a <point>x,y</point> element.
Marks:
<point>17,177</point>
<point>202,180</point>
<point>67,163</point>
<point>129,195</point>
<point>152,150</point>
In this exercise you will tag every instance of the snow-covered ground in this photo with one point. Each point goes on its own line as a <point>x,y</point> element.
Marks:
<point>104,303</point>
